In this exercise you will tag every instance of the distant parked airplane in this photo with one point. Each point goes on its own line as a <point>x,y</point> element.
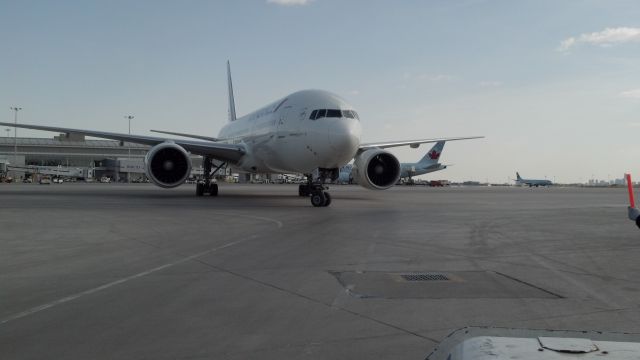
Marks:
<point>532,182</point>
<point>428,163</point>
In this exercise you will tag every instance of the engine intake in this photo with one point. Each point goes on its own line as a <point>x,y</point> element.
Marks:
<point>377,169</point>
<point>167,165</point>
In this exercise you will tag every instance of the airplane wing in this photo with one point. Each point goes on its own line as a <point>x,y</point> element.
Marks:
<point>220,151</point>
<point>201,137</point>
<point>412,143</point>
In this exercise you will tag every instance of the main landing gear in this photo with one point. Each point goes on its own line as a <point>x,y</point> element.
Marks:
<point>207,186</point>
<point>316,191</point>
<point>204,188</point>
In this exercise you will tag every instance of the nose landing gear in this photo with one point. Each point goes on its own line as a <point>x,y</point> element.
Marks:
<point>317,190</point>
<point>320,198</point>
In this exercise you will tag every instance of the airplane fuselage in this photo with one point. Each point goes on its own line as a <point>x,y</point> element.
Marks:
<point>534,182</point>
<point>272,134</point>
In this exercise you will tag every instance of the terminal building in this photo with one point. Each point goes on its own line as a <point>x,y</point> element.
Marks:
<point>120,161</point>
<point>117,160</point>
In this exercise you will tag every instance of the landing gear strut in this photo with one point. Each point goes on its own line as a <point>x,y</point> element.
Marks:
<point>207,186</point>
<point>316,190</point>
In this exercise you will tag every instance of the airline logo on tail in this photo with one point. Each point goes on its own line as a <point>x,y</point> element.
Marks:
<point>434,155</point>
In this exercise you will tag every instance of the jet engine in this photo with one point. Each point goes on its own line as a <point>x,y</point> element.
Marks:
<point>167,165</point>
<point>376,169</point>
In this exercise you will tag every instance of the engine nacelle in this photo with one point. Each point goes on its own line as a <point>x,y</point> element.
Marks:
<point>167,165</point>
<point>376,169</point>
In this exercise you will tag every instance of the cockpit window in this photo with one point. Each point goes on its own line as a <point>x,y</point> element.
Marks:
<point>334,113</point>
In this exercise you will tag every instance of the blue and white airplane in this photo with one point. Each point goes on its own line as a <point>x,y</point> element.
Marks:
<point>429,163</point>
<point>532,182</point>
<point>309,131</point>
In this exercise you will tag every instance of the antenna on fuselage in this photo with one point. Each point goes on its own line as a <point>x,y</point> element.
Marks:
<point>232,103</point>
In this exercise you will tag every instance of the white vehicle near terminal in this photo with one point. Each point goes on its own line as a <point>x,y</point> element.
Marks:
<point>306,132</point>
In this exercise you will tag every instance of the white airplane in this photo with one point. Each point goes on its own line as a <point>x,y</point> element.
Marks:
<point>428,164</point>
<point>531,182</point>
<point>303,132</point>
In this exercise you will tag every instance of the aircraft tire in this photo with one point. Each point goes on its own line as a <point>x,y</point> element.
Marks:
<point>199,189</point>
<point>213,190</point>
<point>327,199</point>
<point>638,221</point>
<point>318,199</point>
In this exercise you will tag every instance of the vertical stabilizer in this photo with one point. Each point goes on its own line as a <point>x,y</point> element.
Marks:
<point>433,155</point>
<point>232,102</point>
<point>518,176</point>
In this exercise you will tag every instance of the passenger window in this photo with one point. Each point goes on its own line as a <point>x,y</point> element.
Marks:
<point>313,115</point>
<point>334,113</point>
<point>321,113</point>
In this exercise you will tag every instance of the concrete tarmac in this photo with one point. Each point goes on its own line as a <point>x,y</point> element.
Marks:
<point>111,271</point>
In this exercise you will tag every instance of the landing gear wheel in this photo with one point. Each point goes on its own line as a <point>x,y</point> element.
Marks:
<point>318,199</point>
<point>327,199</point>
<point>213,189</point>
<point>199,189</point>
<point>638,221</point>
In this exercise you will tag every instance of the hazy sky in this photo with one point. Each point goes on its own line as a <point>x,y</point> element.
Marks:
<point>553,85</point>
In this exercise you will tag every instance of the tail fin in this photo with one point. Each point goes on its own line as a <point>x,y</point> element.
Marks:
<point>232,102</point>
<point>433,155</point>
<point>518,176</point>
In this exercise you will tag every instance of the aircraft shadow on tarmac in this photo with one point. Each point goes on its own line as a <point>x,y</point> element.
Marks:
<point>233,198</point>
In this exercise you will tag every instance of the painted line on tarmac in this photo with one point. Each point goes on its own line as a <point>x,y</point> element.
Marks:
<point>139,275</point>
<point>277,222</point>
<point>118,282</point>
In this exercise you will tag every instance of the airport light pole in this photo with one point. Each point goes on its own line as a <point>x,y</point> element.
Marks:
<point>15,133</point>
<point>129,117</point>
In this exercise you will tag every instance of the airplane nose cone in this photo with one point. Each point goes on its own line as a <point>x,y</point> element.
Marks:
<point>344,138</point>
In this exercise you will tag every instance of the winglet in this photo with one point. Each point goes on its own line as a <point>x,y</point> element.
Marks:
<point>232,103</point>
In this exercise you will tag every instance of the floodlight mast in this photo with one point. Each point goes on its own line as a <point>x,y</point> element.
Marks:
<point>129,117</point>
<point>15,133</point>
